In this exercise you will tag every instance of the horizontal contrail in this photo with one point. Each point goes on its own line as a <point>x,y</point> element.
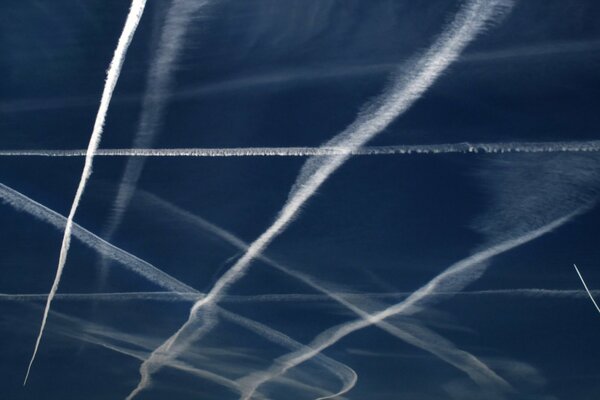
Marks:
<point>446,148</point>
<point>293,297</point>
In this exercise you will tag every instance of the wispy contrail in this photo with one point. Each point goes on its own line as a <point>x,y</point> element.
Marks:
<point>455,277</point>
<point>23,203</point>
<point>133,18</point>
<point>158,82</point>
<point>324,151</point>
<point>407,88</point>
<point>586,288</point>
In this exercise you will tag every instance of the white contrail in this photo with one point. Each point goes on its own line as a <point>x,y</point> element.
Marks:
<point>158,82</point>
<point>133,18</point>
<point>445,148</point>
<point>407,88</point>
<point>586,288</point>
<point>179,290</point>
<point>112,75</point>
<point>455,277</point>
<point>23,203</point>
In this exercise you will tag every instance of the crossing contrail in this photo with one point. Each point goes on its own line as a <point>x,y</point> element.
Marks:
<point>445,148</point>
<point>112,76</point>
<point>408,86</point>
<point>586,288</point>
<point>158,82</point>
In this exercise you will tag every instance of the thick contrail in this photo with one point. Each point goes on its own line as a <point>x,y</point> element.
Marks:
<point>455,277</point>
<point>158,82</point>
<point>407,88</point>
<point>586,288</point>
<point>25,204</point>
<point>112,76</point>
<point>445,148</point>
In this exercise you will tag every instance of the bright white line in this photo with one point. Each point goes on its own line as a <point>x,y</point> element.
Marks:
<point>112,76</point>
<point>446,148</point>
<point>586,288</point>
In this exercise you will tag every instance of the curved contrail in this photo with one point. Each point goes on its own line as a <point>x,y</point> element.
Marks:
<point>444,148</point>
<point>454,277</point>
<point>133,18</point>
<point>406,89</point>
<point>158,82</point>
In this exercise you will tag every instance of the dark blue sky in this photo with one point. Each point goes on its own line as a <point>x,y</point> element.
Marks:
<point>259,73</point>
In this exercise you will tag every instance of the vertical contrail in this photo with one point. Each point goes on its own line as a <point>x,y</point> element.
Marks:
<point>133,18</point>
<point>406,89</point>
<point>158,82</point>
<point>586,288</point>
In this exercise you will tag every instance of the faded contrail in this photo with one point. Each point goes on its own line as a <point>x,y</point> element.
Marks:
<point>586,288</point>
<point>112,76</point>
<point>456,277</point>
<point>158,82</point>
<point>446,148</point>
<point>407,88</point>
<point>23,203</point>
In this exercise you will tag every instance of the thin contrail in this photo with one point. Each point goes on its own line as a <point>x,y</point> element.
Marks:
<point>22,203</point>
<point>158,82</point>
<point>586,288</point>
<point>112,76</point>
<point>445,148</point>
<point>407,88</point>
<point>456,276</point>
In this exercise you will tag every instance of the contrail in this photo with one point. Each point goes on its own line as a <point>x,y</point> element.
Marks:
<point>174,296</point>
<point>179,290</point>
<point>586,288</point>
<point>407,88</point>
<point>324,151</point>
<point>456,277</point>
<point>112,76</point>
<point>23,203</point>
<point>158,82</point>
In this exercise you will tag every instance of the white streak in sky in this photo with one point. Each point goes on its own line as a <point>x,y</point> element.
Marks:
<point>453,278</point>
<point>23,203</point>
<point>449,148</point>
<point>112,76</point>
<point>407,87</point>
<point>158,83</point>
<point>586,288</point>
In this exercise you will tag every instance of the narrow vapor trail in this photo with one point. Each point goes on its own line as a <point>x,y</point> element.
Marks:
<point>408,86</point>
<point>453,278</point>
<point>158,82</point>
<point>445,148</point>
<point>586,288</point>
<point>190,296</point>
<point>133,18</point>
<point>25,204</point>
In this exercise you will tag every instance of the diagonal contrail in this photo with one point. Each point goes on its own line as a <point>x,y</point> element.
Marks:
<point>112,76</point>
<point>586,288</point>
<point>407,88</point>
<point>323,151</point>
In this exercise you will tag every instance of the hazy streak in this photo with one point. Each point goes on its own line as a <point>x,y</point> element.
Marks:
<point>112,76</point>
<point>586,288</point>
<point>445,148</point>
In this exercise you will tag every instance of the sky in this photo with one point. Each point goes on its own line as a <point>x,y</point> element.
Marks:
<point>346,199</point>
